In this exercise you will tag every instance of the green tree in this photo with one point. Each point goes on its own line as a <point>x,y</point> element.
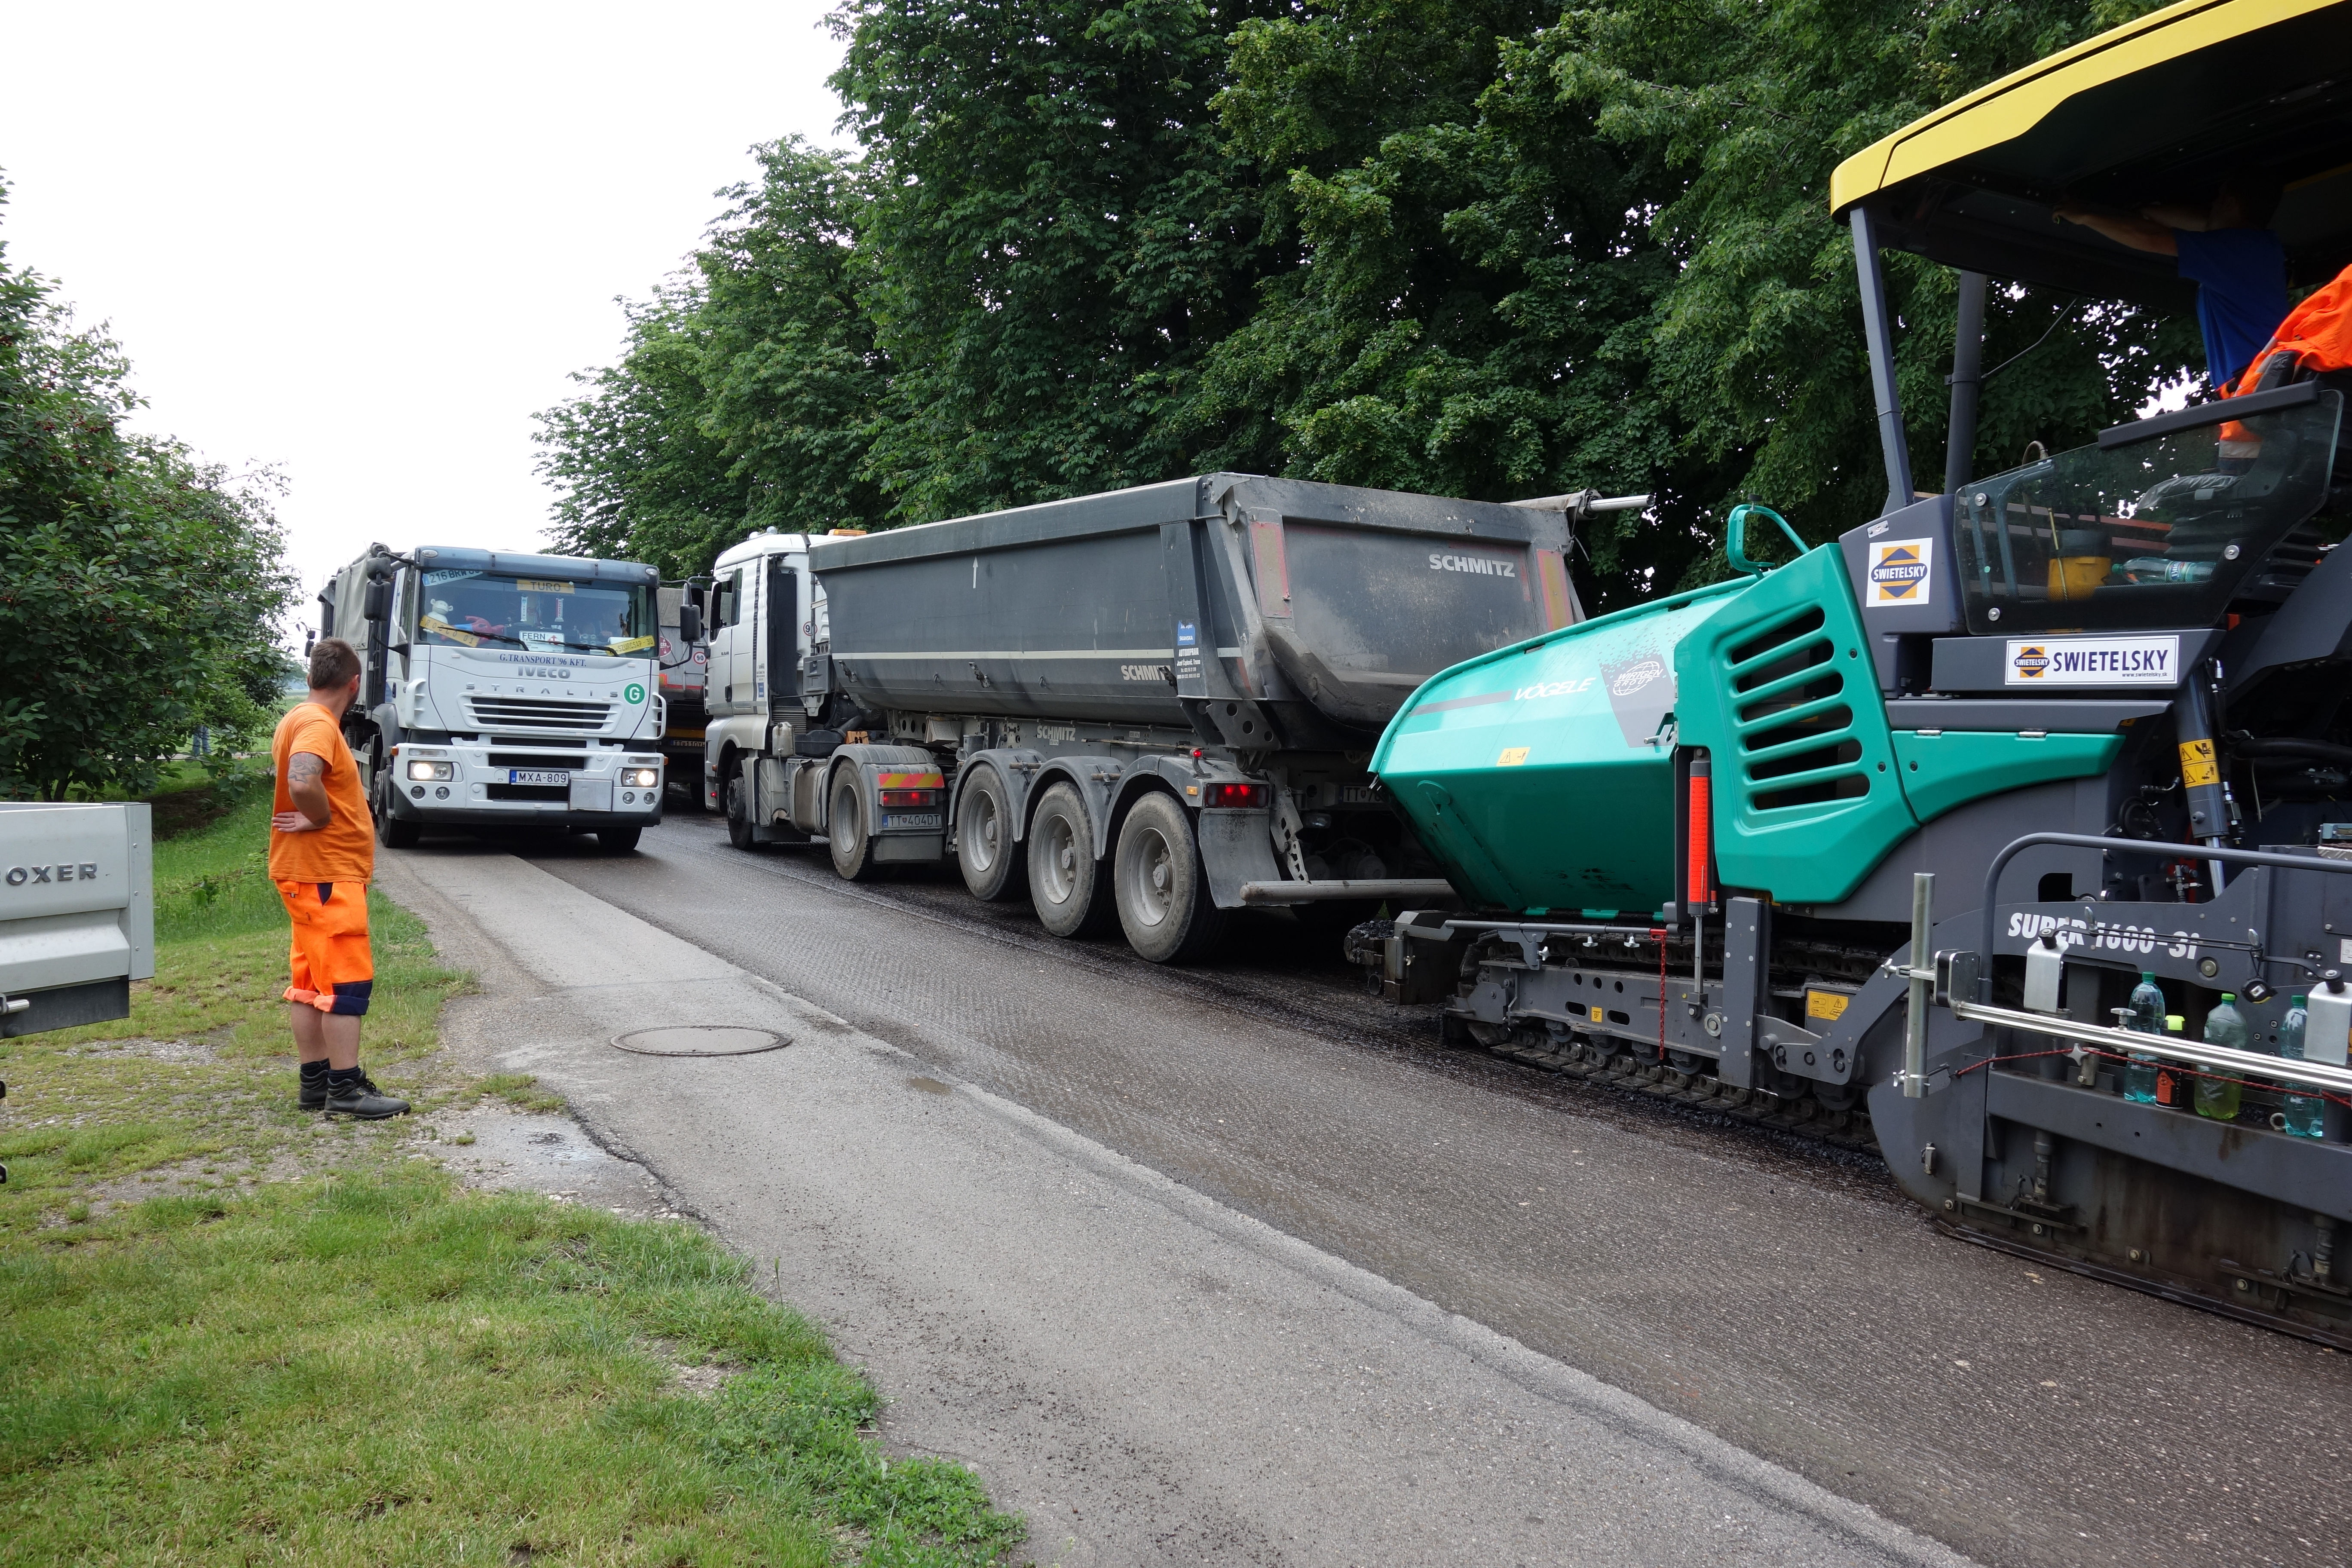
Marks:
<point>140,591</point>
<point>1467,278</point>
<point>1756,341</point>
<point>1059,234</point>
<point>748,393</point>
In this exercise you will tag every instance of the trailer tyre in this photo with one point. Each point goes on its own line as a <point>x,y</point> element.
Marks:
<point>1066,883</point>
<point>846,834</point>
<point>1162,890</point>
<point>992,863</point>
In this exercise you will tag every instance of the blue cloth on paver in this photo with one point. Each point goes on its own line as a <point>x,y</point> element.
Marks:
<point>2241,277</point>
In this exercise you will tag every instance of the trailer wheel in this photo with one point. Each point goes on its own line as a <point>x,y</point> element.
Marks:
<point>1162,890</point>
<point>991,862</point>
<point>846,835</point>
<point>390,831</point>
<point>1066,882</point>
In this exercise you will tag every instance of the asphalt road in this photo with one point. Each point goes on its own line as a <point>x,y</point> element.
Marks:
<point>1776,1294</point>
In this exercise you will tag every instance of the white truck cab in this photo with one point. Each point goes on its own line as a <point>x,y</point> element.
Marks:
<point>764,618</point>
<point>503,690</point>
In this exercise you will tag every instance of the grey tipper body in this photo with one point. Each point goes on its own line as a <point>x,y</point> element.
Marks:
<point>77,913</point>
<point>510,716</point>
<point>1230,644</point>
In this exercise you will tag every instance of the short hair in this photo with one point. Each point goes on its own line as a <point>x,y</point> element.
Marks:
<point>334,662</point>
<point>2258,192</point>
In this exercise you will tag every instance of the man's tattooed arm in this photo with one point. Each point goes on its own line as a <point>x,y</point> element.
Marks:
<point>304,773</point>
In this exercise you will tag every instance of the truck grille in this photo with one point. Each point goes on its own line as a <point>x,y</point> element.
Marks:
<point>538,713</point>
<point>537,760</point>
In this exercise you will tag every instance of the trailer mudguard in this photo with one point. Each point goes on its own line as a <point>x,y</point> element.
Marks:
<point>1237,847</point>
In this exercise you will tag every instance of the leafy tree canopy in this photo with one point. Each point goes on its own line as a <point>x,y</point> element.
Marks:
<point>141,589</point>
<point>1477,247</point>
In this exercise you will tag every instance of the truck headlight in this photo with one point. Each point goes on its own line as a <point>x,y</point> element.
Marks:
<point>430,770</point>
<point>640,778</point>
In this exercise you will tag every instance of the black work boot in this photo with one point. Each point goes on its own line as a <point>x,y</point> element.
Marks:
<point>355,1094</point>
<point>313,1096</point>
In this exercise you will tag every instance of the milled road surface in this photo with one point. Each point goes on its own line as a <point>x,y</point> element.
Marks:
<point>1780,1296</point>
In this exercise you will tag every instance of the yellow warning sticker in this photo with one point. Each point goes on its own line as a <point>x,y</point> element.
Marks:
<point>529,585</point>
<point>1512,757</point>
<point>1601,1014</point>
<point>1825,1003</point>
<point>2196,764</point>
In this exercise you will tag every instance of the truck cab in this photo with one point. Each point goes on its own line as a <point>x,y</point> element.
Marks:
<point>503,690</point>
<point>765,623</point>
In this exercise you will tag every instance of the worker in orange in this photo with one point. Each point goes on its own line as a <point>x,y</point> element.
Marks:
<point>2315,340</point>
<point>322,855</point>
<point>2227,249</point>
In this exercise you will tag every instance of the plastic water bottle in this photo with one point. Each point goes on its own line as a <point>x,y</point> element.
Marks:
<point>2224,1025</point>
<point>2146,1018</point>
<point>2305,1114</point>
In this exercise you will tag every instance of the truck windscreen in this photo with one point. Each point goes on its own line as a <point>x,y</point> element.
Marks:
<point>2156,532</point>
<point>474,609</point>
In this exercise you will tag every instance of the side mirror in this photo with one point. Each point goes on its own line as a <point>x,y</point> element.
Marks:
<point>377,603</point>
<point>689,623</point>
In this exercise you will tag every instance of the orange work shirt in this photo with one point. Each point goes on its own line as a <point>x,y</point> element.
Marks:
<point>343,850</point>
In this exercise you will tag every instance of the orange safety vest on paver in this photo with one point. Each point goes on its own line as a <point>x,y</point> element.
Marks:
<point>2318,333</point>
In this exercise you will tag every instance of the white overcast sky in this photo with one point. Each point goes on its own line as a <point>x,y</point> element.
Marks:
<point>363,244</point>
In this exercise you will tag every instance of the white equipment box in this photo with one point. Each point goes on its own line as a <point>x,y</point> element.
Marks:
<point>77,913</point>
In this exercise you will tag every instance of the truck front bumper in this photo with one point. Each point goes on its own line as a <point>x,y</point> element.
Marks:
<point>608,790</point>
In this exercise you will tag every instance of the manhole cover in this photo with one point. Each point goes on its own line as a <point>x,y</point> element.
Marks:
<point>702,1040</point>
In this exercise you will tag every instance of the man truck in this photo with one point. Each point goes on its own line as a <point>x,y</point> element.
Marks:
<point>1145,709</point>
<point>502,690</point>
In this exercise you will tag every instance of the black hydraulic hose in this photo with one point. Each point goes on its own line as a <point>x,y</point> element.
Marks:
<point>2284,747</point>
<point>2131,846</point>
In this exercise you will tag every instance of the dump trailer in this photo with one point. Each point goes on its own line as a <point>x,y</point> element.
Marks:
<point>1144,708</point>
<point>502,690</point>
<point>2012,830</point>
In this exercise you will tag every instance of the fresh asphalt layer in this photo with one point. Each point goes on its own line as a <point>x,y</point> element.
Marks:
<point>1234,1264</point>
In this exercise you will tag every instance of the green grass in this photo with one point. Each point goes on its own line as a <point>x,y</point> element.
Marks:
<point>375,1369</point>
<point>227,1339</point>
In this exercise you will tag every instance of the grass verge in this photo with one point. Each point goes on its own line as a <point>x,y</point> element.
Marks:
<point>230,1334</point>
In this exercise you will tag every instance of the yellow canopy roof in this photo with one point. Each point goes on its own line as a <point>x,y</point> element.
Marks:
<point>2159,110</point>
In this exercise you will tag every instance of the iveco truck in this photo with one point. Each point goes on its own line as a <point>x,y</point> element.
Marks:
<point>502,690</point>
